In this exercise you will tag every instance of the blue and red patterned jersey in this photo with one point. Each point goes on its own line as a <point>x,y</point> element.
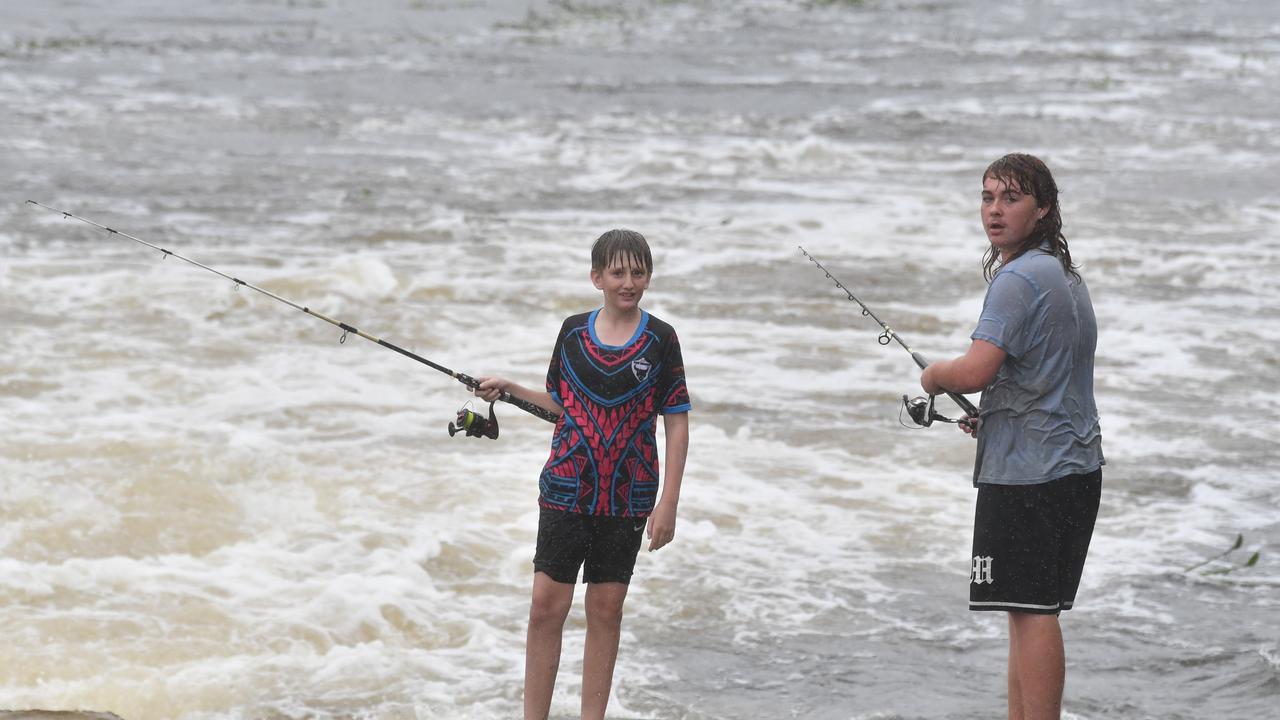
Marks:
<point>604,454</point>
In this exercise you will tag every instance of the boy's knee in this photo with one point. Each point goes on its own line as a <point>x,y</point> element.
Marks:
<point>548,609</point>
<point>607,610</point>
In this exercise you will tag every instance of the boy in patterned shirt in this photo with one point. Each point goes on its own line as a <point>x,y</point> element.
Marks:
<point>613,371</point>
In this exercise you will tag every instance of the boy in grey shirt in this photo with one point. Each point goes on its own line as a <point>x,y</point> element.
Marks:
<point>1039,461</point>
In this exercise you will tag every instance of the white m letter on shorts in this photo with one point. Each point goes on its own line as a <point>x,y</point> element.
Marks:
<point>981,570</point>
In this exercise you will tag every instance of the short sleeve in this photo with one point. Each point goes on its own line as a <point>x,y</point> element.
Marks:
<point>553,368</point>
<point>671,386</point>
<point>1006,313</point>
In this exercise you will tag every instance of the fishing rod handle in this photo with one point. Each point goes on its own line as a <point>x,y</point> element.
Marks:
<point>964,403</point>
<point>530,407</point>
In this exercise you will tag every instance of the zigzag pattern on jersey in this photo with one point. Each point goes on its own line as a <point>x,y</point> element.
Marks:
<point>679,393</point>
<point>609,361</point>
<point>568,467</point>
<point>569,464</point>
<point>640,476</point>
<point>594,427</point>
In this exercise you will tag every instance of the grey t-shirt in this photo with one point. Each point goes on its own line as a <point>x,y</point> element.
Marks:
<point>1039,420</point>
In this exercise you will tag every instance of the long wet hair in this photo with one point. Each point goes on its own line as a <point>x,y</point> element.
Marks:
<point>626,245</point>
<point>1029,175</point>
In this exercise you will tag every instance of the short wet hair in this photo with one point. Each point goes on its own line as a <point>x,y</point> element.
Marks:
<point>1030,176</point>
<point>621,244</point>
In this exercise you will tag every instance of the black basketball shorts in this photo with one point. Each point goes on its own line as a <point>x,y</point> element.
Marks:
<point>1030,543</point>
<point>605,547</point>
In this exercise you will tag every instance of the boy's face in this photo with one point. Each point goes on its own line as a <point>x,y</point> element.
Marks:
<point>623,283</point>
<point>1009,215</point>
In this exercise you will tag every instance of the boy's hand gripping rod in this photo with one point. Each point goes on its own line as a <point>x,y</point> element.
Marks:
<point>921,412</point>
<point>474,425</point>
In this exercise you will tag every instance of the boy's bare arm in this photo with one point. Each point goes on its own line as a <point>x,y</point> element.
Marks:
<point>971,372</point>
<point>662,522</point>
<point>491,387</point>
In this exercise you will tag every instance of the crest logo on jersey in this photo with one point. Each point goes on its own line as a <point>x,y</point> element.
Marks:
<point>640,367</point>
<point>981,570</point>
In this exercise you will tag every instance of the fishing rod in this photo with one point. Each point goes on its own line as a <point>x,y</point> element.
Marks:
<point>468,422</point>
<point>920,409</point>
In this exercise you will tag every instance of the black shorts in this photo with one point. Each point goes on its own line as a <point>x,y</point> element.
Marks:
<point>1030,542</point>
<point>607,545</point>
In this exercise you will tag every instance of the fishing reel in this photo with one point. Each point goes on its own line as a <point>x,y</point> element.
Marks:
<point>922,413</point>
<point>474,424</point>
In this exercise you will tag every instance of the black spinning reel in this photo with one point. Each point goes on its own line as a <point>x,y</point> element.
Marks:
<point>474,424</point>
<point>922,413</point>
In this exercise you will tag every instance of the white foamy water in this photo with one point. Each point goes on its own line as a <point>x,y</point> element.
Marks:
<point>211,508</point>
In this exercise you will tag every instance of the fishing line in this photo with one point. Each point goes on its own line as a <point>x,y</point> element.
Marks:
<point>920,409</point>
<point>468,421</point>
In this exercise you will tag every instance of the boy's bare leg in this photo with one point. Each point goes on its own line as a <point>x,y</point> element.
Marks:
<point>604,628</point>
<point>547,611</point>
<point>1037,666</point>
<point>1015,689</point>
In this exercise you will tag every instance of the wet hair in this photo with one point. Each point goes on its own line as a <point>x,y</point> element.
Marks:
<point>625,245</point>
<point>1029,175</point>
